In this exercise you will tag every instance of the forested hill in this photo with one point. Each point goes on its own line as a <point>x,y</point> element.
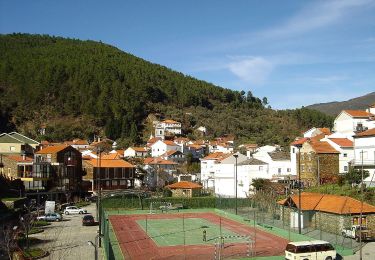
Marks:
<point>77,88</point>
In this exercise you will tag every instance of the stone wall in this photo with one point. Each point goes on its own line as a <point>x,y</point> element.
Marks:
<point>332,223</point>
<point>10,168</point>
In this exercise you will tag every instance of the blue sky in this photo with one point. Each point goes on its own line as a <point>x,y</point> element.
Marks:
<point>293,52</point>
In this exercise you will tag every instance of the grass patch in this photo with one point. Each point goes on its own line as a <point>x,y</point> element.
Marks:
<point>12,199</point>
<point>34,253</point>
<point>41,223</point>
<point>35,230</point>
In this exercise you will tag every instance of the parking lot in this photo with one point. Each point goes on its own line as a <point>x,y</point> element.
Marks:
<point>67,239</point>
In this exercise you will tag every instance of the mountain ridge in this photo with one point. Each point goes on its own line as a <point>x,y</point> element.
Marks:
<point>335,107</point>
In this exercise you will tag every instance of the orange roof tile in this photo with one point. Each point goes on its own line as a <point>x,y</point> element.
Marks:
<point>52,149</point>
<point>370,132</point>
<point>358,113</point>
<point>329,203</point>
<point>110,163</point>
<point>184,185</point>
<point>19,158</point>
<point>110,156</point>
<point>195,146</point>
<point>158,161</point>
<point>139,149</point>
<point>300,141</point>
<point>325,130</point>
<point>170,121</point>
<point>343,142</point>
<point>323,147</point>
<point>214,156</point>
<point>171,143</point>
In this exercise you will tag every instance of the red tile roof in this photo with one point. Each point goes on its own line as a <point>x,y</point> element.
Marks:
<point>110,156</point>
<point>370,132</point>
<point>109,163</point>
<point>325,130</point>
<point>214,156</point>
<point>170,121</point>
<point>358,113</point>
<point>52,149</point>
<point>19,158</point>
<point>158,161</point>
<point>300,141</point>
<point>323,147</point>
<point>329,203</point>
<point>171,143</point>
<point>343,142</point>
<point>184,185</point>
<point>139,149</point>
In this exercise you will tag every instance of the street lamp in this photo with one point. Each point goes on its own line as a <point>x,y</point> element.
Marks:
<point>95,245</point>
<point>299,146</point>
<point>235,179</point>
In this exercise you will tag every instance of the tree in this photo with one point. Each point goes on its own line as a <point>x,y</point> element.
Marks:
<point>265,101</point>
<point>8,239</point>
<point>260,184</point>
<point>354,176</point>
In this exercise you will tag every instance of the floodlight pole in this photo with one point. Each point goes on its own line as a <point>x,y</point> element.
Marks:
<point>236,156</point>
<point>299,188</point>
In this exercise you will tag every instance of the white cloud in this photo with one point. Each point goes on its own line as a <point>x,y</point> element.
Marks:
<point>254,70</point>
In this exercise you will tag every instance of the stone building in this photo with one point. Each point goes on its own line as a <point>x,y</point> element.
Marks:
<point>185,189</point>
<point>330,213</point>
<point>319,163</point>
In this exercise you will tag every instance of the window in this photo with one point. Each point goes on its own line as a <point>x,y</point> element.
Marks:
<point>294,150</point>
<point>346,168</point>
<point>12,148</point>
<point>288,170</point>
<point>279,170</point>
<point>260,168</point>
<point>345,155</point>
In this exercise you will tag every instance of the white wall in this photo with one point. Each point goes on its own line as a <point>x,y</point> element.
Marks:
<point>367,146</point>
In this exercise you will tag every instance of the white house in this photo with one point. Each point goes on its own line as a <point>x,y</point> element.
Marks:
<point>215,147</point>
<point>279,163</point>
<point>208,164</point>
<point>224,175</point>
<point>161,147</point>
<point>167,128</point>
<point>345,147</point>
<point>135,152</point>
<point>316,131</point>
<point>364,154</point>
<point>350,121</point>
<point>248,171</point>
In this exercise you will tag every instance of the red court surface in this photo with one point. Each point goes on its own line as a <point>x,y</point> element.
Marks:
<point>136,244</point>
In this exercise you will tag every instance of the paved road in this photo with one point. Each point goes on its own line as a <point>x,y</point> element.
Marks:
<point>67,239</point>
<point>368,253</point>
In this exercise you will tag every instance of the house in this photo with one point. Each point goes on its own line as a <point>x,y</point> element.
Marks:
<point>64,165</point>
<point>350,121</point>
<point>108,173</point>
<point>21,167</point>
<point>167,128</point>
<point>15,143</point>
<point>249,148</point>
<point>196,150</point>
<point>279,163</point>
<point>224,176</point>
<point>215,146</point>
<point>159,171</point>
<point>208,168</point>
<point>139,152</point>
<point>330,213</point>
<point>319,163</point>
<point>152,140</point>
<point>316,131</point>
<point>345,147</point>
<point>161,147</point>
<point>174,156</point>
<point>247,171</point>
<point>185,189</point>
<point>78,144</point>
<point>364,154</point>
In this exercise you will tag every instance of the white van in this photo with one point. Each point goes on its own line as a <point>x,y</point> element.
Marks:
<point>310,250</point>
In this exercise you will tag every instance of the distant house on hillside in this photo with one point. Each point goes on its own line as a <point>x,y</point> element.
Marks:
<point>348,122</point>
<point>136,152</point>
<point>15,143</point>
<point>167,128</point>
<point>161,147</point>
<point>279,164</point>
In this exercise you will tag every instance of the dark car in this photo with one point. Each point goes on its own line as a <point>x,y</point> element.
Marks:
<point>88,220</point>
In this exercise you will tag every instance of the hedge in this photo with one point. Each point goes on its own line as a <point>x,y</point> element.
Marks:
<point>195,202</point>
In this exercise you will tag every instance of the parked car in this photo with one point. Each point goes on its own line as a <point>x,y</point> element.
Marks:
<point>355,232</point>
<point>93,198</point>
<point>88,220</point>
<point>50,217</point>
<point>74,210</point>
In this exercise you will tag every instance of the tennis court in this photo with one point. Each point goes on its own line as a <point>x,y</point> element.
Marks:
<point>181,236</point>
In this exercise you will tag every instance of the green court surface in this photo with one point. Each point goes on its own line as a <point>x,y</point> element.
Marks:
<point>188,231</point>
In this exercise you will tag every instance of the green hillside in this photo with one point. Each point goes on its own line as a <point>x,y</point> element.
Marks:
<point>79,88</point>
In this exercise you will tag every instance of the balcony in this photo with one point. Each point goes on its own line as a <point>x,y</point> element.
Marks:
<point>32,176</point>
<point>365,162</point>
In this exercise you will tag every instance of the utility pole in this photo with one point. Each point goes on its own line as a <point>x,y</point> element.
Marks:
<point>235,181</point>
<point>360,216</point>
